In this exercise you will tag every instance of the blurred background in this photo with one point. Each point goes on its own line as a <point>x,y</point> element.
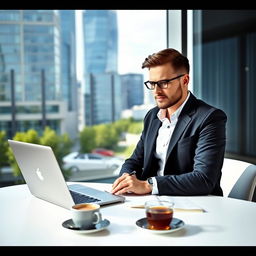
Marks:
<point>72,79</point>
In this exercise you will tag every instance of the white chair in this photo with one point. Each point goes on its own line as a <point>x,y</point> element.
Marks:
<point>238,179</point>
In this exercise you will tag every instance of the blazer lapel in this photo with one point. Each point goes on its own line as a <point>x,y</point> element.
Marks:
<point>179,128</point>
<point>183,121</point>
<point>151,140</point>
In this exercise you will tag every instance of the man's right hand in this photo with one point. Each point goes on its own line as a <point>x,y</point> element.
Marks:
<point>129,183</point>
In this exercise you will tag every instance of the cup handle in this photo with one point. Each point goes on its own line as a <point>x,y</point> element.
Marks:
<point>98,216</point>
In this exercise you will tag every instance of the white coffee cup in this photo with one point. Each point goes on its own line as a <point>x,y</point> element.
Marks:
<point>86,215</point>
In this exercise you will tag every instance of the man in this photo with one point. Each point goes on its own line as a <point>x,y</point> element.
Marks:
<point>181,149</point>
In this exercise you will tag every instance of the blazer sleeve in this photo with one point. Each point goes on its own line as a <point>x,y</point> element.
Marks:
<point>204,178</point>
<point>136,161</point>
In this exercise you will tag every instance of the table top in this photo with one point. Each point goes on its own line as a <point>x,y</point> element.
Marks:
<point>29,221</point>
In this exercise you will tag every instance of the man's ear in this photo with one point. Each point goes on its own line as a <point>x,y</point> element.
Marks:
<point>186,79</point>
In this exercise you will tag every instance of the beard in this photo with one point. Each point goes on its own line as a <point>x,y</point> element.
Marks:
<point>163,101</point>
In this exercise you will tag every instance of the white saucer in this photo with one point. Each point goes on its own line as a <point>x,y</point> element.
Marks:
<point>69,224</point>
<point>176,224</point>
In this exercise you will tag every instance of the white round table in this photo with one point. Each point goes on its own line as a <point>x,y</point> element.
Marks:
<point>29,221</point>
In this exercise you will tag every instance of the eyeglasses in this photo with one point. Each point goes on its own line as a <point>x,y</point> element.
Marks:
<point>163,84</point>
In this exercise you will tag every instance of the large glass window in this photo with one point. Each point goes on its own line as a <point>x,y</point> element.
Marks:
<point>39,15</point>
<point>224,64</point>
<point>93,55</point>
<point>118,41</point>
<point>9,15</point>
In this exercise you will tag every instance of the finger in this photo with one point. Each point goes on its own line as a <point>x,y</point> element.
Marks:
<point>126,186</point>
<point>123,191</point>
<point>118,180</point>
<point>120,186</point>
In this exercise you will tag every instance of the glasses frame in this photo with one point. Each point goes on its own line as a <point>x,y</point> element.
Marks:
<point>163,84</point>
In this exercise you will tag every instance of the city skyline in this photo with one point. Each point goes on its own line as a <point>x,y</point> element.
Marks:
<point>45,51</point>
<point>132,47</point>
<point>102,89</point>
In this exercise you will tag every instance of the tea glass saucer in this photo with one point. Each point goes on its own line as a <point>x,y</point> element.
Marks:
<point>175,225</point>
<point>69,224</point>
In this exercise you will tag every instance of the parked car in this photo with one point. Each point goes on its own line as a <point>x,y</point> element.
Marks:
<point>91,166</point>
<point>103,151</point>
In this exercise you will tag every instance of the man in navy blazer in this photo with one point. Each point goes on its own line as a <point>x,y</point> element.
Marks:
<point>182,146</point>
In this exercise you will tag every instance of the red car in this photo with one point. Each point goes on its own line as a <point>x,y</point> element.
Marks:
<point>103,151</point>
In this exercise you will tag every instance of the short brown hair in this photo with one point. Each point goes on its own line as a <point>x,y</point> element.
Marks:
<point>176,59</point>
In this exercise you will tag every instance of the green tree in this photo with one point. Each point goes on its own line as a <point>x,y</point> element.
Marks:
<point>122,125</point>
<point>106,136</point>
<point>60,144</point>
<point>31,136</point>
<point>135,127</point>
<point>87,139</point>
<point>3,150</point>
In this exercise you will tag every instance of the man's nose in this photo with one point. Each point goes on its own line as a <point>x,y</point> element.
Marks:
<point>157,89</point>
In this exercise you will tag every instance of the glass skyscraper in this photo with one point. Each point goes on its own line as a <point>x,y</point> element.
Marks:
<point>102,83</point>
<point>30,45</point>
<point>132,90</point>
<point>68,57</point>
<point>104,102</point>
<point>100,37</point>
<point>69,87</point>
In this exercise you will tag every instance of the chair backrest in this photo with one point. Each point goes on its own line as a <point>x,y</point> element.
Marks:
<point>231,171</point>
<point>244,188</point>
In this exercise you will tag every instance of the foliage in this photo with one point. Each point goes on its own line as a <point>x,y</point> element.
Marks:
<point>31,136</point>
<point>87,139</point>
<point>61,145</point>
<point>97,136</point>
<point>124,151</point>
<point>107,135</point>
<point>3,149</point>
<point>135,127</point>
<point>122,125</point>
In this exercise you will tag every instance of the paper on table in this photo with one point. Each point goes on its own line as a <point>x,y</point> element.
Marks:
<point>181,204</point>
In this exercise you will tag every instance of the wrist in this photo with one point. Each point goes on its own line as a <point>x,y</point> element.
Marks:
<point>149,184</point>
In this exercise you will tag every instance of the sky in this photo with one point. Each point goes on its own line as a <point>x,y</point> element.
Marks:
<point>140,33</point>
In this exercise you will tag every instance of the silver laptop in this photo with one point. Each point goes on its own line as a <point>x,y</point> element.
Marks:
<point>45,180</point>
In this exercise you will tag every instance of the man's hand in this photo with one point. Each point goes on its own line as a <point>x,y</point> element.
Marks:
<point>129,183</point>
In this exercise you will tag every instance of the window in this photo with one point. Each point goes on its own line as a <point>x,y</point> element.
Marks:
<point>224,64</point>
<point>94,53</point>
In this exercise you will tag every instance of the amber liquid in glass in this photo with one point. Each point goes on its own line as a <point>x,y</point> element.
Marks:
<point>159,217</point>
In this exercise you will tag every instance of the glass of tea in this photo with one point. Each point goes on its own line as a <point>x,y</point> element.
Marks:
<point>159,214</point>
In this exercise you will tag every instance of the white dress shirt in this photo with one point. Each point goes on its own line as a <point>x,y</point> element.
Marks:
<point>163,138</point>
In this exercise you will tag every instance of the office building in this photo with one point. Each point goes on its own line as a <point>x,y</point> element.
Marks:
<point>100,38</point>
<point>102,84</point>
<point>69,85</point>
<point>39,47</point>
<point>132,90</point>
<point>103,98</point>
<point>68,58</point>
<point>30,47</point>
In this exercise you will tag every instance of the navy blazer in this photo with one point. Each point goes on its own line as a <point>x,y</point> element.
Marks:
<point>195,154</point>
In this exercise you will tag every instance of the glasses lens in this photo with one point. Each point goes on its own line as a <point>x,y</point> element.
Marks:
<point>162,84</point>
<point>149,85</point>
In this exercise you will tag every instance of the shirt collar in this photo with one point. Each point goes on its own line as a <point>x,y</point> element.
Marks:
<point>174,117</point>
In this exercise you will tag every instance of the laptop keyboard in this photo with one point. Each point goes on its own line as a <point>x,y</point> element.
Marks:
<point>81,198</point>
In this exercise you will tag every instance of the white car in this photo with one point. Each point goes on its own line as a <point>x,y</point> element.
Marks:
<point>91,166</point>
